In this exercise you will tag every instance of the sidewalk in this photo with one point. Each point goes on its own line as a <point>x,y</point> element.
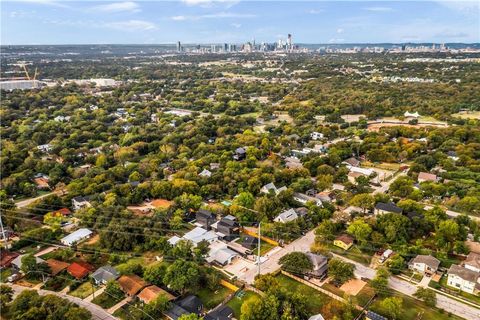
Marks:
<point>119,305</point>
<point>95,294</point>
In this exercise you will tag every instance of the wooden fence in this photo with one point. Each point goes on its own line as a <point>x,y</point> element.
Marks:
<point>255,234</point>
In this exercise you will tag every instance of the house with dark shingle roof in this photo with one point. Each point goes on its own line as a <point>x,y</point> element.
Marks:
<point>105,274</point>
<point>472,262</point>
<point>382,208</point>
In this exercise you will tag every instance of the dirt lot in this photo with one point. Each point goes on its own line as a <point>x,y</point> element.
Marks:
<point>353,287</point>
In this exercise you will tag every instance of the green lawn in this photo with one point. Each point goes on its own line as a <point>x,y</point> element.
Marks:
<point>412,309</point>
<point>330,287</point>
<point>58,283</point>
<point>354,253</point>
<point>83,291</point>
<point>315,299</point>
<point>107,301</point>
<point>365,295</point>
<point>212,298</point>
<point>130,311</point>
<point>236,302</point>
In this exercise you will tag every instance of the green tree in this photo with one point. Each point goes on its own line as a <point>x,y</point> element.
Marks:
<point>296,262</point>
<point>360,230</point>
<point>364,201</point>
<point>113,289</point>
<point>6,294</point>
<point>182,275</point>
<point>155,272</point>
<point>392,307</point>
<point>396,264</point>
<point>427,295</point>
<point>191,316</point>
<point>340,271</point>
<point>380,282</point>
<point>156,307</point>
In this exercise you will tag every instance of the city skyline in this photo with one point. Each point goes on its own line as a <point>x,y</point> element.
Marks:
<point>32,22</point>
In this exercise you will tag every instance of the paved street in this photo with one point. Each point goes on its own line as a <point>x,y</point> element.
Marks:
<point>302,244</point>
<point>97,312</point>
<point>448,304</point>
<point>385,185</point>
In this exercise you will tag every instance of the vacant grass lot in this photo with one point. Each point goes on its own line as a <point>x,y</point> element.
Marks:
<point>106,301</point>
<point>83,291</point>
<point>314,298</point>
<point>354,253</point>
<point>236,303</point>
<point>212,298</point>
<point>414,309</point>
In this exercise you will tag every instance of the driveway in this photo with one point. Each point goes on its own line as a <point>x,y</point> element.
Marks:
<point>271,264</point>
<point>97,312</point>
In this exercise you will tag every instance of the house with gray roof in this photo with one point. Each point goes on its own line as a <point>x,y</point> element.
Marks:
<point>424,264</point>
<point>105,274</point>
<point>463,279</point>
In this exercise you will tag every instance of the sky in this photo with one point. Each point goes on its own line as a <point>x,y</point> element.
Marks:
<point>233,21</point>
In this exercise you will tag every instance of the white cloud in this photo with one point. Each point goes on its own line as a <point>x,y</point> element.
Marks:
<point>340,30</point>
<point>52,3</point>
<point>218,15</point>
<point>236,25</point>
<point>131,25</point>
<point>379,9</point>
<point>471,7</point>
<point>179,18</point>
<point>315,11</point>
<point>336,40</point>
<point>127,6</point>
<point>211,3</point>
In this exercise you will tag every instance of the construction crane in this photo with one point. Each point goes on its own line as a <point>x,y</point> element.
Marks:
<point>28,75</point>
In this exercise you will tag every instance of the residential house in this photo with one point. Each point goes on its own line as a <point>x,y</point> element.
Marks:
<point>303,199</point>
<point>250,242</point>
<point>214,166</point>
<point>227,228</point>
<point>187,305</point>
<point>76,236</point>
<point>220,254</point>
<point>463,279</point>
<point>196,236</point>
<point>424,264</point>
<point>352,162</point>
<point>270,187</point>
<point>293,163</point>
<point>152,292</point>
<point>316,135</point>
<point>316,317</point>
<point>80,269</point>
<point>382,208</point>
<point>409,115</point>
<point>63,212</point>
<point>205,173</point>
<point>6,258</point>
<point>131,284</point>
<point>45,147</point>
<point>374,316</point>
<point>240,154</point>
<point>472,262</point>
<point>56,266</point>
<point>286,216</point>
<point>41,181</point>
<point>427,177</point>
<point>343,241</point>
<point>222,313</point>
<point>17,262</point>
<point>352,176</point>
<point>105,274</point>
<point>205,219</point>
<point>320,265</point>
<point>80,203</point>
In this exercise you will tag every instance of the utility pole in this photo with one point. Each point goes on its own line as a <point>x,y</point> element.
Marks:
<point>259,242</point>
<point>3,232</point>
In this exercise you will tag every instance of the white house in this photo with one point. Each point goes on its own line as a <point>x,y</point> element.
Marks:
<point>424,264</point>
<point>220,253</point>
<point>316,135</point>
<point>45,147</point>
<point>427,177</point>
<point>303,199</point>
<point>472,262</point>
<point>80,203</point>
<point>75,237</point>
<point>463,279</point>
<point>271,187</point>
<point>286,216</point>
<point>205,173</point>
<point>411,115</point>
<point>196,236</point>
